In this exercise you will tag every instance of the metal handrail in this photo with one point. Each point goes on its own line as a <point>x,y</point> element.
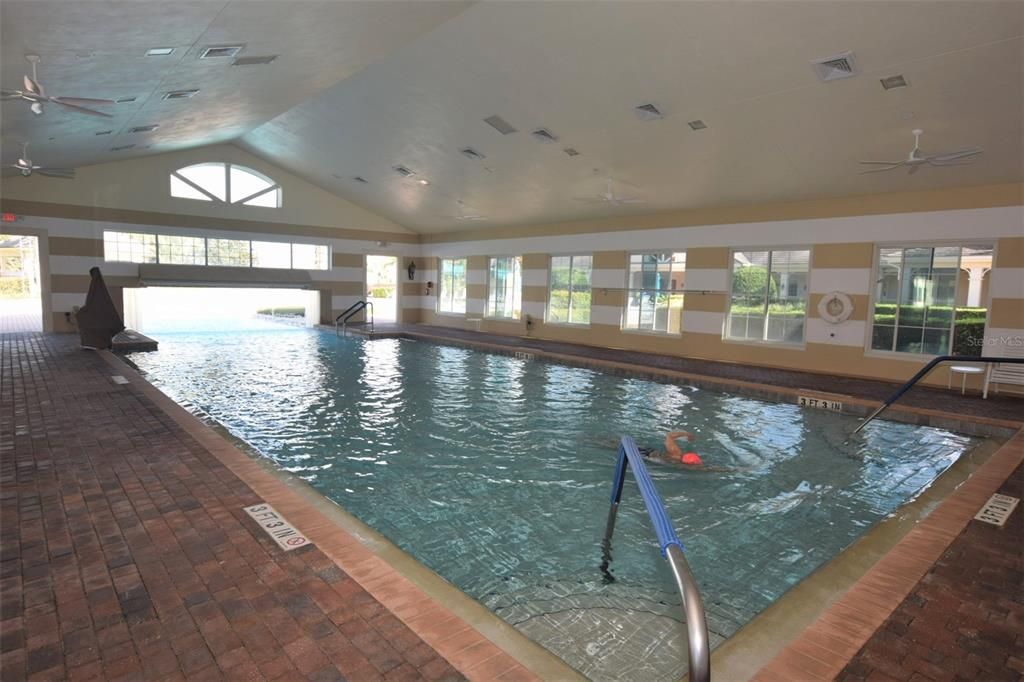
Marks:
<point>920,375</point>
<point>351,311</point>
<point>671,549</point>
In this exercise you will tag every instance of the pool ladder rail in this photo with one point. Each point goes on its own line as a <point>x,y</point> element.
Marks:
<point>699,644</point>
<point>350,312</point>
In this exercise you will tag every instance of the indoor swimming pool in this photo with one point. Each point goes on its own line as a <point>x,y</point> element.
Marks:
<point>495,472</point>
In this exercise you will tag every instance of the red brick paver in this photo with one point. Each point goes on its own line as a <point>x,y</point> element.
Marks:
<point>965,619</point>
<point>125,553</point>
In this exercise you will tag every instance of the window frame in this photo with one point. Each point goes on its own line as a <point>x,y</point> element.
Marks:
<point>793,345</point>
<point>869,323</point>
<point>440,288</point>
<point>206,250</point>
<point>628,290</point>
<point>518,286</point>
<point>274,186</point>
<point>547,304</point>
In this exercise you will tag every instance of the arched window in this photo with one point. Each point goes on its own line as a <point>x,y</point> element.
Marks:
<point>226,183</point>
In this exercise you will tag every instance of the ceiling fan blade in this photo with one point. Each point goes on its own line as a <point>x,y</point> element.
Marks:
<point>953,156</point>
<point>882,163</point>
<point>66,173</point>
<point>881,170</point>
<point>32,86</point>
<point>592,200</point>
<point>628,200</point>
<point>84,110</point>
<point>940,164</point>
<point>11,94</point>
<point>83,101</point>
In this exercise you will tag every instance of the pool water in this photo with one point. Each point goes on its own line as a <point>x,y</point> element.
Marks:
<point>496,473</point>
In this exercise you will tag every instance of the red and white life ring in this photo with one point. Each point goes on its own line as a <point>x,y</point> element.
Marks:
<point>835,307</point>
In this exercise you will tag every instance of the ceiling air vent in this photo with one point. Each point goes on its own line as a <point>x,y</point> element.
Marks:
<point>220,51</point>
<point>404,172</point>
<point>570,151</point>
<point>104,132</point>
<point>500,124</point>
<point>360,178</point>
<point>544,135</point>
<point>180,94</point>
<point>253,61</point>
<point>125,100</point>
<point>122,148</point>
<point>892,82</point>
<point>144,129</point>
<point>471,153</point>
<point>697,124</point>
<point>648,112</point>
<point>835,68</point>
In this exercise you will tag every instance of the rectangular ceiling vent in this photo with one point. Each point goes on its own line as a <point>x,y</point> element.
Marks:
<point>648,112</point>
<point>254,61</point>
<point>360,178</point>
<point>404,172</point>
<point>104,132</point>
<point>471,153</point>
<point>697,124</point>
<point>125,100</point>
<point>544,135</point>
<point>122,148</point>
<point>570,151</point>
<point>835,68</point>
<point>144,129</point>
<point>892,82</point>
<point>220,51</point>
<point>180,94</point>
<point>500,124</point>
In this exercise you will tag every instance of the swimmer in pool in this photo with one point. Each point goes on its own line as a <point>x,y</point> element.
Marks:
<point>673,453</point>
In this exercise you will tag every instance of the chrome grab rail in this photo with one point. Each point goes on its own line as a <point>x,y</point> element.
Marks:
<point>921,374</point>
<point>671,548</point>
<point>349,312</point>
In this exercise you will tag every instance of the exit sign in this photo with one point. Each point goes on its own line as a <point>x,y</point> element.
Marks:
<point>10,217</point>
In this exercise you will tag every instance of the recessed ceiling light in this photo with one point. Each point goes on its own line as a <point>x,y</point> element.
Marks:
<point>125,100</point>
<point>544,135</point>
<point>897,81</point>
<point>648,112</point>
<point>471,153</point>
<point>144,129</point>
<point>121,148</point>
<point>423,182</point>
<point>220,51</point>
<point>570,151</point>
<point>254,61</point>
<point>697,125</point>
<point>159,51</point>
<point>500,124</point>
<point>180,94</point>
<point>104,132</point>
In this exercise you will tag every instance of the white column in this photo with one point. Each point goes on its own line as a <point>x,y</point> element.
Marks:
<point>975,276</point>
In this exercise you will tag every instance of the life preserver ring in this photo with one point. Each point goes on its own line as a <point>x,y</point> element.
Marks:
<point>835,307</point>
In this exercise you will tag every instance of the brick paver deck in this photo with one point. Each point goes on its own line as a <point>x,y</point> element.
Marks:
<point>965,619</point>
<point>125,554</point>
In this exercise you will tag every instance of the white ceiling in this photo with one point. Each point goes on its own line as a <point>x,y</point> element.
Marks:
<point>775,133</point>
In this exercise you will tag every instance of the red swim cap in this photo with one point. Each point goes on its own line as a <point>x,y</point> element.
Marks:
<point>692,458</point>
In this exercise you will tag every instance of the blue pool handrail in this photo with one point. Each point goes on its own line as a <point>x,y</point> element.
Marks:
<point>671,548</point>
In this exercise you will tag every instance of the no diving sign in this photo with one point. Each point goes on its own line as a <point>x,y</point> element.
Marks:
<point>284,534</point>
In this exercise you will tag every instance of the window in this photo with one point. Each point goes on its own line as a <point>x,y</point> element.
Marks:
<point>271,255</point>
<point>182,250</point>
<point>505,291</point>
<point>138,247</point>
<point>129,247</point>
<point>654,301</point>
<point>232,252</point>
<point>309,257</point>
<point>931,299</point>
<point>226,183</point>
<point>769,296</point>
<point>569,300</point>
<point>451,297</point>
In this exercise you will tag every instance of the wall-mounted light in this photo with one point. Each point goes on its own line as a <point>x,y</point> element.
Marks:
<point>430,288</point>
<point>411,270</point>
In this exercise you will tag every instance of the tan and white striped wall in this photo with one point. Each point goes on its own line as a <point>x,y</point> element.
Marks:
<point>842,259</point>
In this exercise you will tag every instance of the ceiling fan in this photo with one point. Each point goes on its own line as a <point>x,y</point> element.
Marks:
<point>608,196</point>
<point>27,168</point>
<point>35,94</point>
<point>917,158</point>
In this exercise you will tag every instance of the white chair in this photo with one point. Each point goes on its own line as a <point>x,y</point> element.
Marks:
<point>1005,373</point>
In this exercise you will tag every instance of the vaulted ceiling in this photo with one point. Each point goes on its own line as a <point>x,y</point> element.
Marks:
<point>361,87</point>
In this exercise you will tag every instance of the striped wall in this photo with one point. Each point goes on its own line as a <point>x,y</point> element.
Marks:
<point>842,259</point>
<point>76,245</point>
